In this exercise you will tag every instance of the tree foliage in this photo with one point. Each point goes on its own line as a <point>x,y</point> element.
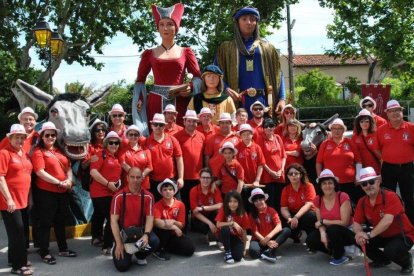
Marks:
<point>316,86</point>
<point>381,31</point>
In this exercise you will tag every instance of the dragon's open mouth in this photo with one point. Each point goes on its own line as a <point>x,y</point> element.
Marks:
<point>76,151</point>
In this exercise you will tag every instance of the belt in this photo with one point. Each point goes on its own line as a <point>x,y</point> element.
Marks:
<point>400,165</point>
<point>252,92</point>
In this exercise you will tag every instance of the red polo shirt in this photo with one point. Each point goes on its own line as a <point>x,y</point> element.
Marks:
<point>163,156</point>
<point>242,220</point>
<point>279,129</point>
<point>132,206</point>
<point>396,145</point>
<point>93,150</point>
<point>250,158</point>
<point>55,163</point>
<point>265,223</point>
<point>198,199</point>
<point>340,159</point>
<point>390,205</point>
<point>294,200</point>
<point>228,183</point>
<point>379,121</point>
<point>213,146</point>
<point>136,158</point>
<point>110,169</point>
<point>274,153</point>
<point>17,171</point>
<point>257,129</point>
<point>365,149</point>
<point>173,130</point>
<point>293,146</point>
<point>192,147</point>
<point>176,211</point>
<point>207,134</point>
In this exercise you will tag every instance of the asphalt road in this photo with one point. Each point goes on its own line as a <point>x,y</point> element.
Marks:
<point>293,259</point>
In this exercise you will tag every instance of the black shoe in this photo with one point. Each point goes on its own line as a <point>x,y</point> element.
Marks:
<point>407,269</point>
<point>377,264</point>
<point>267,255</point>
<point>161,255</point>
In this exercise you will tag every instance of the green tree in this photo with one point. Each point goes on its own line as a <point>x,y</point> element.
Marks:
<point>380,31</point>
<point>316,87</point>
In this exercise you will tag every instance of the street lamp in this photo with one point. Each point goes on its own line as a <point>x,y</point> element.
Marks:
<point>52,42</point>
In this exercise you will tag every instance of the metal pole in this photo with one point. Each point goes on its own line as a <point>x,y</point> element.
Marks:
<point>290,54</point>
<point>50,70</point>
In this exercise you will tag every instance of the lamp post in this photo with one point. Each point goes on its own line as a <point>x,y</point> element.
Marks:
<point>51,41</point>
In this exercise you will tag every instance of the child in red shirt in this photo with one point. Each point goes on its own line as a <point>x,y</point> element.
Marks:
<point>233,222</point>
<point>267,231</point>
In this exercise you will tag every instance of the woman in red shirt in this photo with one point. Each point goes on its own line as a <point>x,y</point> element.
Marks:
<point>288,113</point>
<point>365,139</point>
<point>106,175</point>
<point>233,221</point>
<point>54,182</point>
<point>267,231</point>
<point>275,156</point>
<point>133,155</point>
<point>291,142</point>
<point>297,202</point>
<point>15,177</point>
<point>341,156</point>
<point>333,211</point>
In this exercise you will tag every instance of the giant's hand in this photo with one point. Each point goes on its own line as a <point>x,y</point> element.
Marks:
<point>233,94</point>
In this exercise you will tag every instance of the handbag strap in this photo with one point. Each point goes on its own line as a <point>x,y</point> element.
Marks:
<point>123,209</point>
<point>228,171</point>
<point>370,151</point>
<point>60,163</point>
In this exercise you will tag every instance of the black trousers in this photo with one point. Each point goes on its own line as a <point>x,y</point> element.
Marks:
<point>396,249</point>
<point>182,246</point>
<point>232,243</point>
<point>256,249</point>
<point>185,196</point>
<point>125,263</point>
<point>403,176</point>
<point>53,209</point>
<point>306,223</point>
<point>101,212</point>
<point>274,190</point>
<point>14,225</point>
<point>338,237</point>
<point>201,227</point>
<point>354,192</point>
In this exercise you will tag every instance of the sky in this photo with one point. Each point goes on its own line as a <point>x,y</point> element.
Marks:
<point>121,56</point>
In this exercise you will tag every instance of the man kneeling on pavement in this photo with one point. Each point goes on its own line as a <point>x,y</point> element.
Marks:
<point>132,221</point>
<point>390,227</point>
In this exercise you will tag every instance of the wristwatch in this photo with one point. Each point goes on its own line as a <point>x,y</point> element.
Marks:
<point>369,235</point>
<point>147,233</point>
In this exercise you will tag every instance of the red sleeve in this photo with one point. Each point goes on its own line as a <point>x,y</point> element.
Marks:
<point>283,197</point>
<point>158,210</point>
<point>144,66</point>
<point>149,164</point>
<point>38,160</point>
<point>177,148</point>
<point>275,216</point>
<point>4,143</point>
<point>261,160</point>
<point>253,224</point>
<point>98,164</point>
<point>217,196</point>
<point>310,192</point>
<point>239,171</point>
<point>191,62</point>
<point>316,202</point>
<point>193,197</point>
<point>4,162</point>
<point>321,152</point>
<point>122,155</point>
<point>116,203</point>
<point>282,147</point>
<point>220,216</point>
<point>150,198</point>
<point>181,213</point>
<point>343,197</point>
<point>357,155</point>
<point>359,216</point>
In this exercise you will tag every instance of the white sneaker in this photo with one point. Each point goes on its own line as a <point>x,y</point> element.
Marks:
<point>141,261</point>
<point>220,246</point>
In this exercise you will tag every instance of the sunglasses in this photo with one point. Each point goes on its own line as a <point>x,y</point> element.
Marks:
<point>293,173</point>
<point>370,182</point>
<point>99,130</point>
<point>133,134</point>
<point>367,105</point>
<point>117,115</point>
<point>205,177</point>
<point>158,124</point>
<point>258,109</point>
<point>116,143</point>
<point>50,135</point>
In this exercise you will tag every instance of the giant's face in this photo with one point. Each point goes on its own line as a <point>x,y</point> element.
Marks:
<point>166,28</point>
<point>247,25</point>
<point>72,118</point>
